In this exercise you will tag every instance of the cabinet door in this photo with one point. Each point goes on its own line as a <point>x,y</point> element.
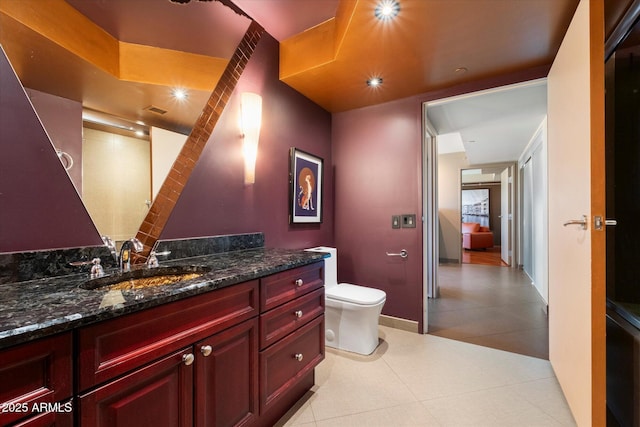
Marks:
<point>32,374</point>
<point>48,419</point>
<point>226,378</point>
<point>160,394</point>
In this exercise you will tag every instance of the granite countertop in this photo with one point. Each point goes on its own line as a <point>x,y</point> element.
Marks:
<point>38,308</point>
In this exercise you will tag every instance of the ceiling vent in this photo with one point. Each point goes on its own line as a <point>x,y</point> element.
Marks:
<point>155,110</point>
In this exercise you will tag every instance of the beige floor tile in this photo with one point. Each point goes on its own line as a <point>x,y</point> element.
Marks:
<point>429,380</point>
<point>413,414</point>
<point>450,367</point>
<point>491,408</point>
<point>349,384</point>
<point>547,395</point>
<point>421,380</point>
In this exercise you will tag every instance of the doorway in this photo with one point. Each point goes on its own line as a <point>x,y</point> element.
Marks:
<point>484,202</point>
<point>495,306</point>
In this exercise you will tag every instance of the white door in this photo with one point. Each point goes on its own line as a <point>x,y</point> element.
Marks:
<point>505,218</point>
<point>527,218</point>
<point>576,188</point>
<point>430,216</point>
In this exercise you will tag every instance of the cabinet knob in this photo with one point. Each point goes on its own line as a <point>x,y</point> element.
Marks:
<point>206,350</point>
<point>188,359</point>
<point>299,282</point>
<point>298,314</point>
<point>299,357</point>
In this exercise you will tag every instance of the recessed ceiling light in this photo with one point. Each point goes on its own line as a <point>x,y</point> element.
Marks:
<point>460,70</point>
<point>387,10</point>
<point>180,94</point>
<point>374,81</point>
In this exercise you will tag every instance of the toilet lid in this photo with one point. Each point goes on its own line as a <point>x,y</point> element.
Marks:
<point>355,294</point>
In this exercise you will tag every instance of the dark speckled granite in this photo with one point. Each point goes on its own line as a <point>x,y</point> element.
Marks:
<point>37,308</point>
<point>22,266</point>
<point>187,248</point>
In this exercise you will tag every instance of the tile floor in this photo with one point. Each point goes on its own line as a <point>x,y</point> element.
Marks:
<point>426,380</point>
<point>491,306</point>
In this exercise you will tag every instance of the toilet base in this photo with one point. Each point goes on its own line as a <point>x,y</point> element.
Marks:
<point>352,330</point>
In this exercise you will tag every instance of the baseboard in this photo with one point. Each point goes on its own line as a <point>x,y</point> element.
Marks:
<point>449,261</point>
<point>398,323</point>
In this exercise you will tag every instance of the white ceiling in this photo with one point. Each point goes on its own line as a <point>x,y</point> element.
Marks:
<point>495,126</point>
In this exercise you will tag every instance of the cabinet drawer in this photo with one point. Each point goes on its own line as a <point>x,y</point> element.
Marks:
<point>116,346</point>
<point>288,285</point>
<point>34,373</point>
<point>279,322</point>
<point>288,361</point>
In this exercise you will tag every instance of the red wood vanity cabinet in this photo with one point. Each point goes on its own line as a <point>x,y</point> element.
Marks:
<point>225,358</point>
<point>200,352</point>
<point>240,355</point>
<point>37,375</point>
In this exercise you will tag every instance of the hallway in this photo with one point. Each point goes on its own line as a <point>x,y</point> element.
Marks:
<point>494,307</point>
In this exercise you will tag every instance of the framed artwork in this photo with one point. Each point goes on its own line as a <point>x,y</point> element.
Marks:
<point>305,194</point>
<point>475,206</point>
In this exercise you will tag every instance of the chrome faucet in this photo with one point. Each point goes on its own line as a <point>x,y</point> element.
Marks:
<point>125,252</point>
<point>152,260</point>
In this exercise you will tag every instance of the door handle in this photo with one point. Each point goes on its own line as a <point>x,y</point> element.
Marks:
<point>581,222</point>
<point>403,254</point>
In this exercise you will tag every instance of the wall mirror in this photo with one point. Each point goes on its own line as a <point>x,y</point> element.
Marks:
<point>120,62</point>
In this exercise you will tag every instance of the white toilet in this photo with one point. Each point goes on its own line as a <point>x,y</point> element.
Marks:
<point>351,311</point>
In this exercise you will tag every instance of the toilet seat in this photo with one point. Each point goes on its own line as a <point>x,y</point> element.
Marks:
<point>355,294</point>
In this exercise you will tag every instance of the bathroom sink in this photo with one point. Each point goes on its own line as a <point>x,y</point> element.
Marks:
<point>146,278</point>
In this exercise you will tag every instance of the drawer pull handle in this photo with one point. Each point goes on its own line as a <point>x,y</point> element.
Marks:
<point>206,350</point>
<point>299,357</point>
<point>298,313</point>
<point>299,282</point>
<point>188,359</point>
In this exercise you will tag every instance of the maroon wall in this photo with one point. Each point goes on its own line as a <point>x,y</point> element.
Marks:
<point>39,207</point>
<point>377,155</point>
<point>377,165</point>
<point>216,201</point>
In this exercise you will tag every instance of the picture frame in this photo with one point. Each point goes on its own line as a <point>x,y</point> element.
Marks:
<point>475,206</point>
<point>306,173</point>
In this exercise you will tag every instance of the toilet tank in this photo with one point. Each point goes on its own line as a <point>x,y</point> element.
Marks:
<point>330,264</point>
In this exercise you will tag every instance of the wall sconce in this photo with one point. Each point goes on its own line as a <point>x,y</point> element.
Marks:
<point>250,119</point>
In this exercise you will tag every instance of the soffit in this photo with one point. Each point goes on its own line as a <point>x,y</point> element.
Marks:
<point>420,50</point>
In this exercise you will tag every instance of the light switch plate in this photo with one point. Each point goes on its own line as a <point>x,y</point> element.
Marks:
<point>395,221</point>
<point>409,221</point>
